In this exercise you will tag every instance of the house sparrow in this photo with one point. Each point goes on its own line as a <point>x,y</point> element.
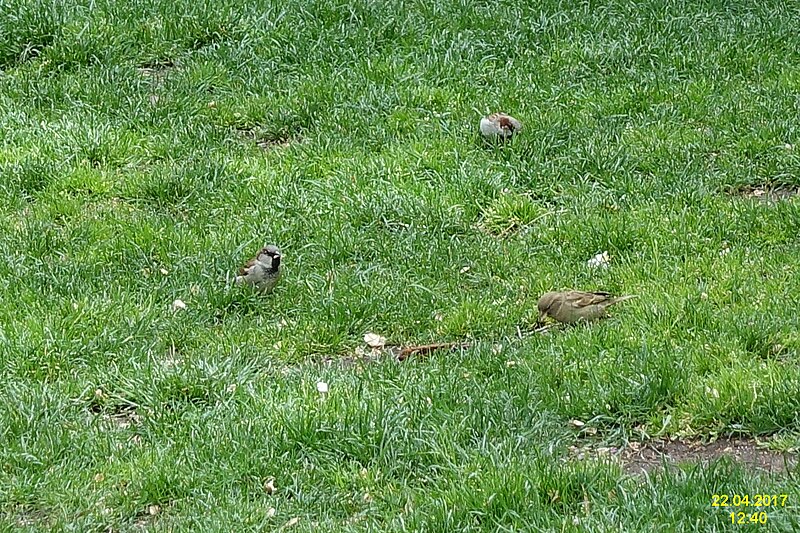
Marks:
<point>262,271</point>
<point>499,126</point>
<point>574,306</point>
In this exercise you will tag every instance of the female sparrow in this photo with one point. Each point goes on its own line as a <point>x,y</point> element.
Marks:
<point>262,271</point>
<point>499,126</point>
<point>574,306</point>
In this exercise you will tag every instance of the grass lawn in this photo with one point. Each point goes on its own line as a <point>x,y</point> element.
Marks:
<point>149,147</point>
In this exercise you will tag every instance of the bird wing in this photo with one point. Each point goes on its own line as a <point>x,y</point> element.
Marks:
<point>585,299</point>
<point>245,270</point>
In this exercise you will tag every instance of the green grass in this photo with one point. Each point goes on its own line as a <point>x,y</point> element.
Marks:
<point>131,176</point>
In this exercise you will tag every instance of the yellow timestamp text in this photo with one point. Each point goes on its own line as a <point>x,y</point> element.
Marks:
<point>749,518</point>
<point>746,500</point>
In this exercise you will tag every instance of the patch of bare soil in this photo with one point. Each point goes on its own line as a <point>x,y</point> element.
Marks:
<point>146,518</point>
<point>156,70</point>
<point>269,141</point>
<point>116,414</point>
<point>638,459</point>
<point>378,352</point>
<point>768,193</point>
<point>123,418</point>
<point>27,517</point>
<point>281,142</point>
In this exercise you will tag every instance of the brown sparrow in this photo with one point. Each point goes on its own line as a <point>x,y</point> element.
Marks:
<point>262,271</point>
<point>575,306</point>
<point>499,126</point>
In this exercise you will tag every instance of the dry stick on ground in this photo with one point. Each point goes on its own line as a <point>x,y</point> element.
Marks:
<point>428,348</point>
<point>425,349</point>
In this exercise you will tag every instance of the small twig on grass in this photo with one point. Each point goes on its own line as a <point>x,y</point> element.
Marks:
<point>544,328</point>
<point>425,349</point>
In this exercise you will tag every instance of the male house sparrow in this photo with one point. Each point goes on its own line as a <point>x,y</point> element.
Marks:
<point>262,271</point>
<point>574,306</point>
<point>499,126</point>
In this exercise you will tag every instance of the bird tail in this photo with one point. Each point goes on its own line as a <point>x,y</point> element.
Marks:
<point>619,299</point>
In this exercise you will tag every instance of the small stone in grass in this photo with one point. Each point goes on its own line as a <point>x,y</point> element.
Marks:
<point>374,340</point>
<point>600,260</point>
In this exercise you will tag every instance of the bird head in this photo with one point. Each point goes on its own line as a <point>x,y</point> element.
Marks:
<point>270,256</point>
<point>544,305</point>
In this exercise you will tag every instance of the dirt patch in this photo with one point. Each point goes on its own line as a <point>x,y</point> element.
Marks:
<point>637,458</point>
<point>279,142</point>
<point>640,458</point>
<point>768,193</point>
<point>123,419</point>
<point>363,356</point>
<point>28,517</point>
<point>147,518</point>
<point>116,413</point>
<point>359,359</point>
<point>269,141</point>
<point>156,70</point>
